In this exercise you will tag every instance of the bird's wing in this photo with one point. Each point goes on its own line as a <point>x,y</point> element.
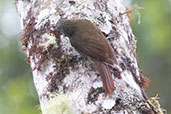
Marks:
<point>94,49</point>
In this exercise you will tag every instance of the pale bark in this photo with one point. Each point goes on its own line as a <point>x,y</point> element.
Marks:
<point>67,80</point>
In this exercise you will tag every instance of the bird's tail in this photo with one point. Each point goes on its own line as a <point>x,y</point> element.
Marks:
<point>106,77</point>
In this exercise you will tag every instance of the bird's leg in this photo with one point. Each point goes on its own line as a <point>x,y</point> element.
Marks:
<point>114,66</point>
<point>111,36</point>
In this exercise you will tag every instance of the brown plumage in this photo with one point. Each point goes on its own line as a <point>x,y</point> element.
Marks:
<point>89,41</point>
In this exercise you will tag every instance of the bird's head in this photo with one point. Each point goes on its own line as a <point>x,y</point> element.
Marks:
<point>67,27</point>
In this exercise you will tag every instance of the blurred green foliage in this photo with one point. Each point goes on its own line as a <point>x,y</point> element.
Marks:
<point>154,47</point>
<point>17,91</point>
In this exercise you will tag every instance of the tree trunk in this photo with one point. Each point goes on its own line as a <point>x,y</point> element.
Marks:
<point>67,82</point>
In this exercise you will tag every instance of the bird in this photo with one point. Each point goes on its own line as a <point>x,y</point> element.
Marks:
<point>89,41</point>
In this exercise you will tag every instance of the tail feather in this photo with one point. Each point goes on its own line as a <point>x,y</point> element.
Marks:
<point>106,77</point>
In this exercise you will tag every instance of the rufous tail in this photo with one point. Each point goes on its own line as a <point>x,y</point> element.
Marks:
<point>106,77</point>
